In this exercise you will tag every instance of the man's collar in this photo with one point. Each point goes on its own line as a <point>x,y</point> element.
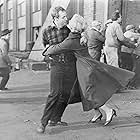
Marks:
<point>53,24</point>
<point>95,29</point>
<point>116,22</point>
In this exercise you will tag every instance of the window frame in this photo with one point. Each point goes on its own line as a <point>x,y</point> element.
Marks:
<point>20,9</point>
<point>36,6</point>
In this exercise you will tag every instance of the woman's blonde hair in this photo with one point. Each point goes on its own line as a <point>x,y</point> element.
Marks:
<point>77,23</point>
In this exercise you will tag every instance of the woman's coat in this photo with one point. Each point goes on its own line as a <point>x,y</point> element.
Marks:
<point>97,81</point>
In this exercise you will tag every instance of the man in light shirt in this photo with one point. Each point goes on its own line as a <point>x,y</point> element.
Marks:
<point>114,35</point>
<point>114,40</point>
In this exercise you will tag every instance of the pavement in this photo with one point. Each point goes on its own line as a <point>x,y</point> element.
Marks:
<point>22,105</point>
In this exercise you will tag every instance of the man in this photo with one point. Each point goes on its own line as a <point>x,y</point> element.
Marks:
<point>95,40</point>
<point>114,38</point>
<point>5,62</point>
<point>62,72</point>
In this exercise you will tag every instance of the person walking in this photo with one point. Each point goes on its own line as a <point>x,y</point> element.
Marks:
<point>5,62</point>
<point>62,71</point>
<point>97,81</point>
<point>95,40</point>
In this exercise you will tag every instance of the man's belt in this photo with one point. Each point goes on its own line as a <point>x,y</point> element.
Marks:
<point>62,58</point>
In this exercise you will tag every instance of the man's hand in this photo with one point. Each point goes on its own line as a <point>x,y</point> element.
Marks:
<point>83,41</point>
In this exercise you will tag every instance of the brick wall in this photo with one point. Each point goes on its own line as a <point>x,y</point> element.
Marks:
<point>88,10</point>
<point>133,12</point>
<point>95,10</point>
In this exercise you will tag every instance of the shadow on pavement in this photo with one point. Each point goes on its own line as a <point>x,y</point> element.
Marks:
<point>23,100</point>
<point>116,123</point>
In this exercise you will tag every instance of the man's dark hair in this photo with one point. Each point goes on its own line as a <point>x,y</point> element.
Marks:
<point>115,15</point>
<point>55,11</point>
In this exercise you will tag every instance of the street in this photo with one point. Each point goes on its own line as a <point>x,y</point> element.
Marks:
<point>22,105</point>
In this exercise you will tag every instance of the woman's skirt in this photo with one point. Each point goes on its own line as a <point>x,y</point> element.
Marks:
<point>99,81</point>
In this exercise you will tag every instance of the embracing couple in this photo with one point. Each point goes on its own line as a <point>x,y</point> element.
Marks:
<point>74,75</point>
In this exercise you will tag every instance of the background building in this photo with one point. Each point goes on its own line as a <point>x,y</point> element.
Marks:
<point>25,17</point>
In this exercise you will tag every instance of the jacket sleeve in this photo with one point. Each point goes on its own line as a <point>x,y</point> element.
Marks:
<point>66,45</point>
<point>45,38</point>
<point>101,38</point>
<point>119,33</point>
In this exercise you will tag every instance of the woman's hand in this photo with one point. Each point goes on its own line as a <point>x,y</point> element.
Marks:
<point>84,39</point>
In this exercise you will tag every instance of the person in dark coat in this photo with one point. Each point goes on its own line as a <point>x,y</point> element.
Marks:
<point>62,71</point>
<point>97,81</point>
<point>5,62</point>
<point>135,82</point>
<point>95,40</point>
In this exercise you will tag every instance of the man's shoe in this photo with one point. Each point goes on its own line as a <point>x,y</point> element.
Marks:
<point>59,123</point>
<point>41,129</point>
<point>4,88</point>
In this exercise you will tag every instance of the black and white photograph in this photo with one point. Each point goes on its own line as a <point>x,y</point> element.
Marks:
<point>69,69</point>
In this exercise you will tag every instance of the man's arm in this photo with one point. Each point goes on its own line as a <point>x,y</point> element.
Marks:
<point>125,41</point>
<point>119,33</point>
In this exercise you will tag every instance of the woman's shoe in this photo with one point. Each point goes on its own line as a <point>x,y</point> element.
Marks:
<point>93,120</point>
<point>113,114</point>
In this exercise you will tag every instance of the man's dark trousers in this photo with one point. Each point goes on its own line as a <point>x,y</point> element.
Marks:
<point>62,76</point>
<point>4,73</point>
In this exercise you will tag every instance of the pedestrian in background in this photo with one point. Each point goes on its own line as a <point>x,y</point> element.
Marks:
<point>95,40</point>
<point>135,82</point>
<point>5,62</point>
<point>114,40</point>
<point>126,53</point>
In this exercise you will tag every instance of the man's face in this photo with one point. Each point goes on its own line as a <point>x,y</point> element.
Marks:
<point>120,19</point>
<point>62,19</point>
<point>7,36</point>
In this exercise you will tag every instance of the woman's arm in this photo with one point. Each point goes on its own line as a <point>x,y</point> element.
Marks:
<point>66,45</point>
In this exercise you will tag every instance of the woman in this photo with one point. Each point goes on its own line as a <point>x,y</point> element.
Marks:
<point>97,81</point>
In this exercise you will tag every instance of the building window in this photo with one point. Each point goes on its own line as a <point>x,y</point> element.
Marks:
<point>35,33</point>
<point>1,18</point>
<point>36,5</point>
<point>94,10</point>
<point>21,39</point>
<point>1,14</point>
<point>10,10</point>
<point>21,9</point>
<point>10,14</point>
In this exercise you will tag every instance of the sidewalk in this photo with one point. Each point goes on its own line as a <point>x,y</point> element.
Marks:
<point>22,106</point>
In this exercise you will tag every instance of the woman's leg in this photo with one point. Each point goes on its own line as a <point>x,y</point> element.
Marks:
<point>110,113</point>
